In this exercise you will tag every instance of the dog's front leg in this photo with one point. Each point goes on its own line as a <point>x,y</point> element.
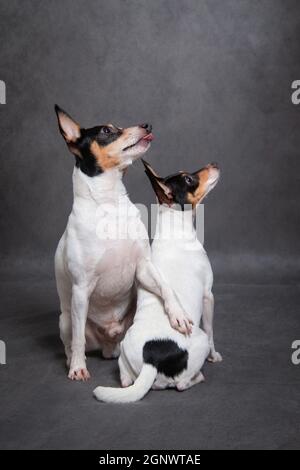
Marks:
<point>79,311</point>
<point>207,323</point>
<point>150,278</point>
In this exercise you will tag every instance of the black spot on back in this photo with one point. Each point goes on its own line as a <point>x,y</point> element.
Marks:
<point>164,354</point>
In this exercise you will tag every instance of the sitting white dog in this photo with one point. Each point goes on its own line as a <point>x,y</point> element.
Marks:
<point>96,269</point>
<point>152,353</point>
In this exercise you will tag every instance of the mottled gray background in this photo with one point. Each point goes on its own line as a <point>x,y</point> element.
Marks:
<point>214,78</point>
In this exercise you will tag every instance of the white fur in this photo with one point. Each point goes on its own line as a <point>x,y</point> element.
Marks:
<point>181,259</point>
<point>96,277</point>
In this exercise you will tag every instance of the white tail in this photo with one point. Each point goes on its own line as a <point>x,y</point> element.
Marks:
<point>130,394</point>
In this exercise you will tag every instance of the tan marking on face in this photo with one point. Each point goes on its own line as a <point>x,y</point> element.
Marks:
<point>104,156</point>
<point>126,133</point>
<point>114,154</point>
<point>129,136</point>
<point>199,194</point>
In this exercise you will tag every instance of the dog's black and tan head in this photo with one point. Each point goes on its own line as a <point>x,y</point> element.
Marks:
<point>183,188</point>
<point>101,148</point>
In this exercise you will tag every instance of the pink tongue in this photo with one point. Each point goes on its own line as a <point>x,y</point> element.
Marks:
<point>148,137</point>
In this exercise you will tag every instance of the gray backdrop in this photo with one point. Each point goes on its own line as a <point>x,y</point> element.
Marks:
<point>213,77</point>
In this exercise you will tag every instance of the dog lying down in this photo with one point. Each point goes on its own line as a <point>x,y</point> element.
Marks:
<point>153,355</point>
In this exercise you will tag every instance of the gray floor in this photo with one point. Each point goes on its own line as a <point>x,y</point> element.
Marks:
<point>251,400</point>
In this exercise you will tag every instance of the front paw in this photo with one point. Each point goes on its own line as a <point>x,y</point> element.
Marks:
<point>79,374</point>
<point>215,357</point>
<point>181,322</point>
<point>78,370</point>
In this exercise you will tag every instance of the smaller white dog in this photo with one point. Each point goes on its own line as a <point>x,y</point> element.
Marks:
<point>152,353</point>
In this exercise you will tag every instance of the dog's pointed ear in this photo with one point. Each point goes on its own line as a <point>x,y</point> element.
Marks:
<point>70,129</point>
<point>162,191</point>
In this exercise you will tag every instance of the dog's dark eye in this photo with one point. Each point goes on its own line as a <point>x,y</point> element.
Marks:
<point>105,130</point>
<point>188,179</point>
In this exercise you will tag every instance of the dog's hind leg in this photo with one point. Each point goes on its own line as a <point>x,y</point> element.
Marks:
<point>79,311</point>
<point>125,375</point>
<point>184,385</point>
<point>198,352</point>
<point>65,328</point>
<point>110,350</point>
<point>162,382</point>
<point>207,323</point>
<point>64,289</point>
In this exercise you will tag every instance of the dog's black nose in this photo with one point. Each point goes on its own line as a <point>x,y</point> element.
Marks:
<point>146,126</point>
<point>214,165</point>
